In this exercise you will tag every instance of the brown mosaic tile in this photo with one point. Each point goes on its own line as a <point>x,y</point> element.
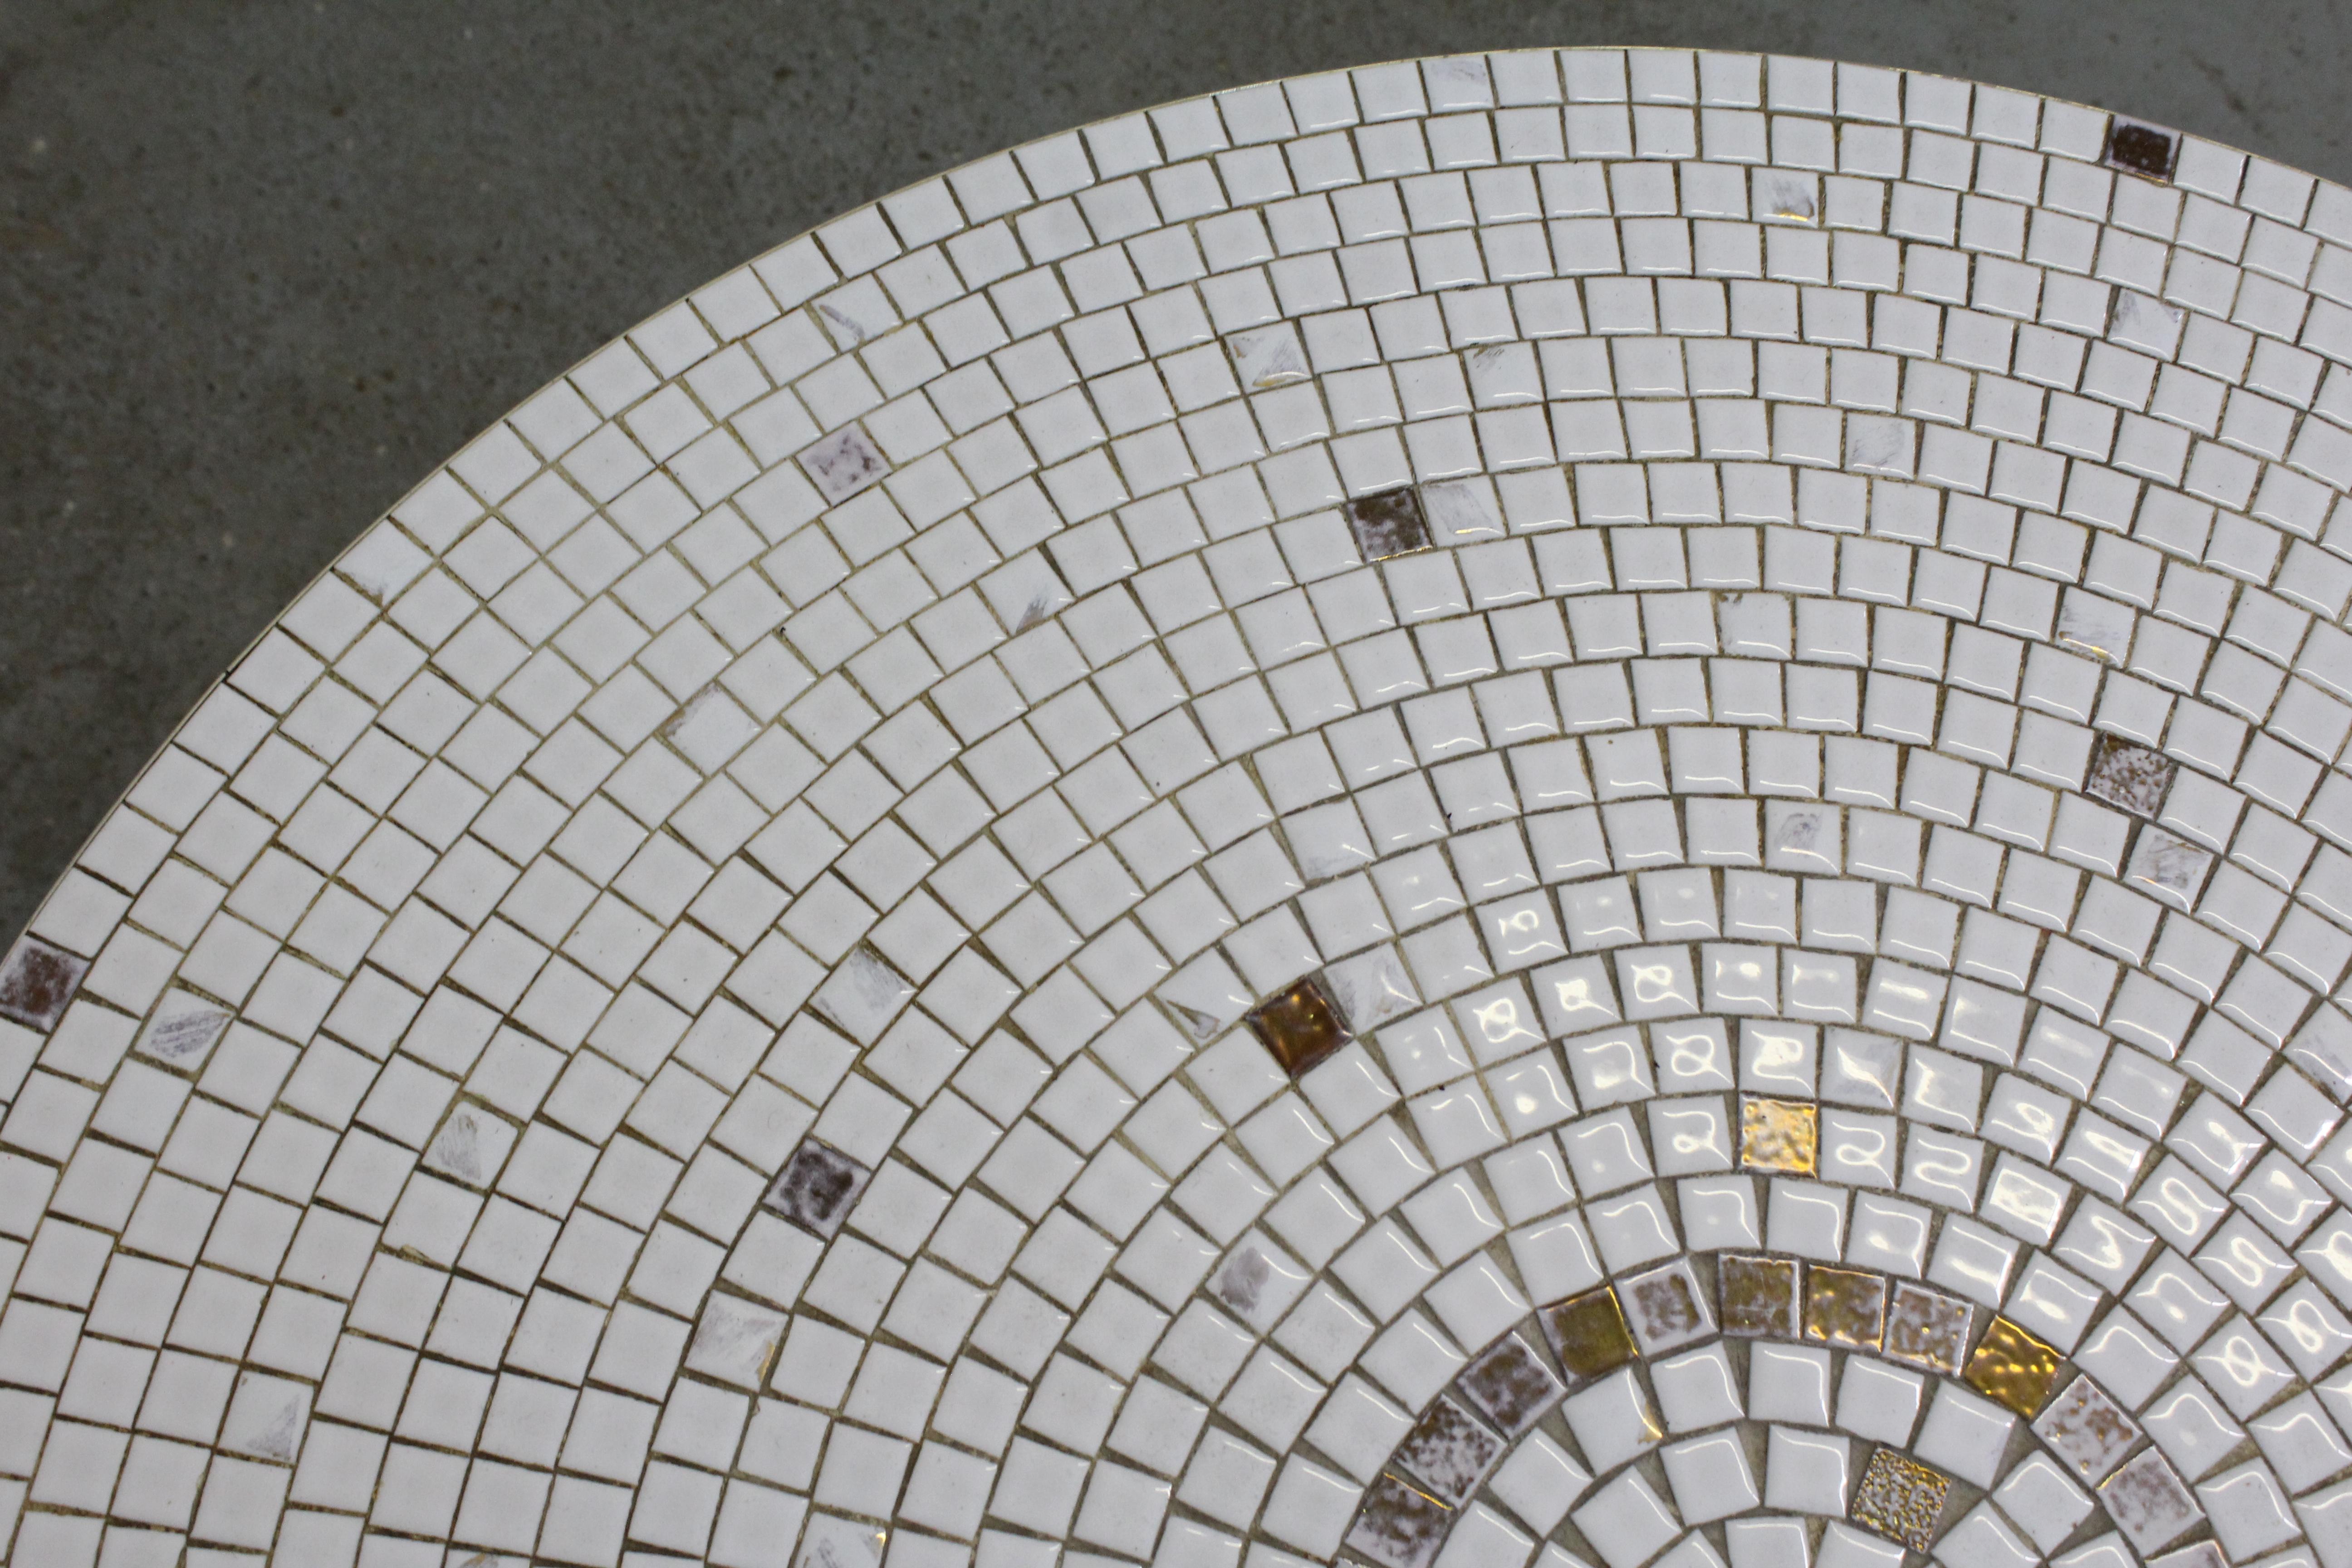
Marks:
<point>1901,1499</point>
<point>2149,1502</point>
<point>1399,1525</point>
<point>1589,1334</point>
<point>1299,1026</point>
<point>2087,1430</point>
<point>1759,1295</point>
<point>1510,1385</point>
<point>1928,1329</point>
<point>1779,1135</point>
<point>2130,776</point>
<point>1845,1307</point>
<point>36,982</point>
<point>1666,1308</point>
<point>2013,1368</point>
<point>1389,524</point>
<point>2141,149</point>
<point>817,1187</point>
<point>1448,1449</point>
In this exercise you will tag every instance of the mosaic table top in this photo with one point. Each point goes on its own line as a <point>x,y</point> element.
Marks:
<point>1518,810</point>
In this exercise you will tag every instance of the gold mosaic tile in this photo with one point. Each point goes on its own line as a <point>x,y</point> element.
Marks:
<point>1845,1307</point>
<point>1399,1525</point>
<point>1589,1333</point>
<point>1759,1295</point>
<point>1901,1499</point>
<point>1928,1329</point>
<point>1780,1135</point>
<point>2087,1429</point>
<point>2011,1367</point>
<point>1299,1026</point>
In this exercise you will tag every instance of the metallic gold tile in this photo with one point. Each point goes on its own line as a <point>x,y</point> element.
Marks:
<point>1589,1333</point>
<point>1759,1294</point>
<point>1900,1499</point>
<point>1845,1307</point>
<point>1301,1026</point>
<point>2011,1367</point>
<point>1780,1135</point>
<point>1928,1329</point>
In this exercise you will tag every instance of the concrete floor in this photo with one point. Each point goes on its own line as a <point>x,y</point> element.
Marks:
<point>263,264</point>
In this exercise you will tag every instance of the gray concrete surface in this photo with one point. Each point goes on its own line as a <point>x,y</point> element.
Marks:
<point>263,264</point>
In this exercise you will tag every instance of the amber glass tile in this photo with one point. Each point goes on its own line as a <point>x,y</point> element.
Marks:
<point>1759,1294</point>
<point>1901,1499</point>
<point>2011,1367</point>
<point>1928,1329</point>
<point>1779,1135</point>
<point>1301,1026</point>
<point>1589,1333</point>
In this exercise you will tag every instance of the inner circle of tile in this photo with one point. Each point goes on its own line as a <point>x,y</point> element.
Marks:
<point>1551,807</point>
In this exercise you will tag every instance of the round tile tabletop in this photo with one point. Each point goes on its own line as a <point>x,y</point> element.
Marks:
<point>1536,809</point>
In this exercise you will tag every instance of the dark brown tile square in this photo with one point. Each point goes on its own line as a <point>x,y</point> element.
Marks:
<point>1928,1329</point>
<point>2142,149</point>
<point>1448,1448</point>
<point>38,980</point>
<point>1589,1334</point>
<point>1400,1526</point>
<point>1759,1295</point>
<point>817,1187</point>
<point>2129,776</point>
<point>1299,1026</point>
<point>1845,1307</point>
<point>1510,1385</point>
<point>1389,524</point>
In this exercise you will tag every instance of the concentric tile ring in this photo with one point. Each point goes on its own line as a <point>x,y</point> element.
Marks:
<point>1548,806</point>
